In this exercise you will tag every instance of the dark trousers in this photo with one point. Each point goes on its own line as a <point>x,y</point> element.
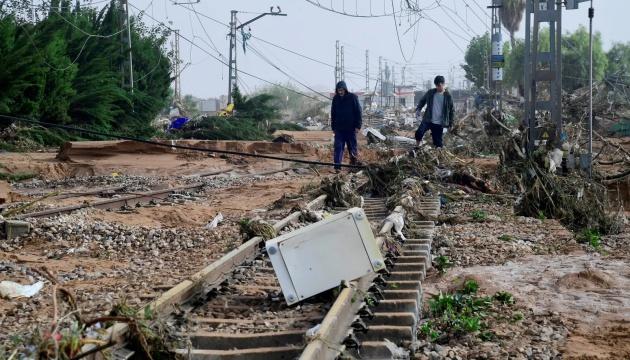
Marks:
<point>343,138</point>
<point>436,132</point>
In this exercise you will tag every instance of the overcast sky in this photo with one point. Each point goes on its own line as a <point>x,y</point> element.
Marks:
<point>312,31</point>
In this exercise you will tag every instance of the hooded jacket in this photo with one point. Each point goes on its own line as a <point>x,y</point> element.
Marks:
<point>345,112</point>
<point>448,111</point>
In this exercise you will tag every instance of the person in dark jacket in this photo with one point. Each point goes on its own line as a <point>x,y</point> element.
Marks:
<point>346,121</point>
<point>439,114</point>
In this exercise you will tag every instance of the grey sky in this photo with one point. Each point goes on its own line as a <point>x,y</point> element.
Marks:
<point>313,31</point>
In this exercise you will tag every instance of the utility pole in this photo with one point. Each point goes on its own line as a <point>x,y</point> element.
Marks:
<point>343,66</point>
<point>234,27</point>
<point>176,64</point>
<point>543,67</point>
<point>394,86</point>
<point>591,15</point>
<point>126,3</point>
<point>573,5</point>
<point>380,79</point>
<point>403,82</point>
<point>337,64</point>
<point>497,60</point>
<point>367,71</point>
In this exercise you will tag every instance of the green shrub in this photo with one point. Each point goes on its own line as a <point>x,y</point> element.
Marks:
<point>479,215</point>
<point>591,237</point>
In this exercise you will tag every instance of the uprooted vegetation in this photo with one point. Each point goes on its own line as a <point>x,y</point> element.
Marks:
<point>436,166</point>
<point>579,203</point>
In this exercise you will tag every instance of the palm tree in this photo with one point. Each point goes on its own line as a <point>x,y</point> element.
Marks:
<point>511,15</point>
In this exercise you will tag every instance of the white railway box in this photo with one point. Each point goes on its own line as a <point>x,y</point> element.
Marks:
<point>320,256</point>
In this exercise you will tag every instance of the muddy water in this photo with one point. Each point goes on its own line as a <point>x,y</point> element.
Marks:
<point>592,293</point>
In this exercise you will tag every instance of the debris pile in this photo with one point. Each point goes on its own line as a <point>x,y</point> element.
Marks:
<point>610,104</point>
<point>425,164</point>
<point>572,199</point>
<point>481,132</point>
<point>257,227</point>
<point>340,193</point>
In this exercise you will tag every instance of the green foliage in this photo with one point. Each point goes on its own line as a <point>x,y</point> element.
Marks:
<point>513,72</point>
<point>476,57</point>
<point>222,128</point>
<point>487,336</point>
<point>541,215</point>
<point>470,287</point>
<point>591,237</point>
<point>427,330</point>
<point>259,107</point>
<point>16,177</point>
<point>479,215</point>
<point>462,312</point>
<point>511,12</point>
<point>517,316</point>
<point>54,72</point>
<point>575,59</point>
<point>619,60</point>
<point>505,237</point>
<point>442,263</point>
<point>504,297</point>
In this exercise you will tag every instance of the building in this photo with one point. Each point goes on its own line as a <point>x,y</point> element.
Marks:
<point>208,106</point>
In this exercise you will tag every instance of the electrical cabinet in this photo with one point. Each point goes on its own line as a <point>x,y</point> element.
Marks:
<point>320,256</point>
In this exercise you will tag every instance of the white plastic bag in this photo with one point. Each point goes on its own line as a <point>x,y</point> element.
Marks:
<point>10,289</point>
<point>215,222</point>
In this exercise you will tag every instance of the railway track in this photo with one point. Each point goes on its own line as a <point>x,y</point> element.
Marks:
<point>133,200</point>
<point>235,310</point>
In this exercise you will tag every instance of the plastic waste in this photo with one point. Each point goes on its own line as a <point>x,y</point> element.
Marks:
<point>215,222</point>
<point>312,332</point>
<point>10,289</point>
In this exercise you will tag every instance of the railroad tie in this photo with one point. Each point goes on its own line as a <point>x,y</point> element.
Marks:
<point>395,317</point>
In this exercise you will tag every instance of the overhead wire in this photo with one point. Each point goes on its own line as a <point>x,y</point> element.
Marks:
<point>173,145</point>
<point>221,60</point>
<point>331,9</point>
<point>445,7</point>
<point>272,64</point>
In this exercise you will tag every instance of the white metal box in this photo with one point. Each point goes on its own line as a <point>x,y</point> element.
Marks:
<point>319,256</point>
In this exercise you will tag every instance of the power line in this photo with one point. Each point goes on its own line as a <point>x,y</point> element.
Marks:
<point>317,4</point>
<point>220,60</point>
<point>444,7</point>
<point>415,42</point>
<point>173,146</point>
<point>476,15</point>
<point>284,72</point>
<point>443,29</point>
<point>484,11</point>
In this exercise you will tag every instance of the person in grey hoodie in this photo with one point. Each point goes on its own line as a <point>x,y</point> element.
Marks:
<point>439,114</point>
<point>346,121</point>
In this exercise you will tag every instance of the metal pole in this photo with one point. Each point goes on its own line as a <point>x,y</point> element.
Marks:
<point>337,68</point>
<point>591,14</point>
<point>380,79</point>
<point>129,44</point>
<point>367,71</point>
<point>232,60</point>
<point>343,70</point>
